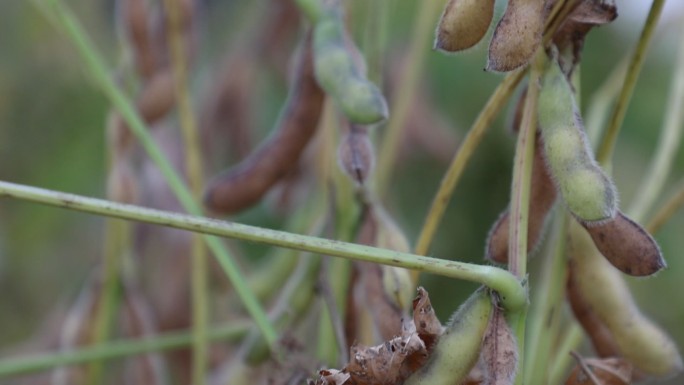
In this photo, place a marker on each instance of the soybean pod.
(245, 185)
(459, 347)
(343, 79)
(586, 190)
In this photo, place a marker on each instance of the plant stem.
(512, 293)
(547, 306)
(670, 138)
(98, 70)
(117, 349)
(562, 358)
(520, 199)
(193, 167)
(666, 211)
(470, 142)
(605, 150)
(418, 48)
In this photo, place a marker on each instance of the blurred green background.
(52, 136)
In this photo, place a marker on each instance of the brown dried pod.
(134, 18)
(463, 24)
(627, 246)
(603, 289)
(245, 185)
(607, 371)
(499, 351)
(542, 197)
(355, 154)
(517, 35)
(157, 97)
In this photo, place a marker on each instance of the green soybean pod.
(338, 74)
(586, 190)
(458, 349)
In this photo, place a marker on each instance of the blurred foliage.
(52, 136)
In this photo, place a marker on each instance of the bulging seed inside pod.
(463, 24)
(517, 35)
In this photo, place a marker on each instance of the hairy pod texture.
(463, 24)
(604, 293)
(459, 347)
(517, 35)
(336, 71)
(586, 190)
(542, 197)
(245, 185)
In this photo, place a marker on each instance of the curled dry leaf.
(517, 35)
(627, 246)
(608, 371)
(393, 361)
(542, 197)
(245, 185)
(463, 24)
(427, 324)
(355, 154)
(499, 351)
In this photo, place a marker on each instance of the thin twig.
(605, 150)
(512, 293)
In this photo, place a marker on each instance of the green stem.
(562, 358)
(605, 150)
(470, 142)
(400, 108)
(670, 138)
(98, 70)
(547, 307)
(193, 166)
(117, 349)
(520, 200)
(512, 293)
(666, 211)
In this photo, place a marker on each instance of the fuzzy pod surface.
(458, 349)
(586, 190)
(463, 24)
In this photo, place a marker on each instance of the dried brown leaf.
(427, 325)
(627, 246)
(499, 351)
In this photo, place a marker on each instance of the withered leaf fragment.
(463, 24)
(332, 377)
(517, 35)
(608, 371)
(542, 197)
(627, 246)
(428, 327)
(355, 154)
(245, 185)
(499, 351)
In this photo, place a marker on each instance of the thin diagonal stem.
(511, 291)
(99, 72)
(193, 166)
(605, 150)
